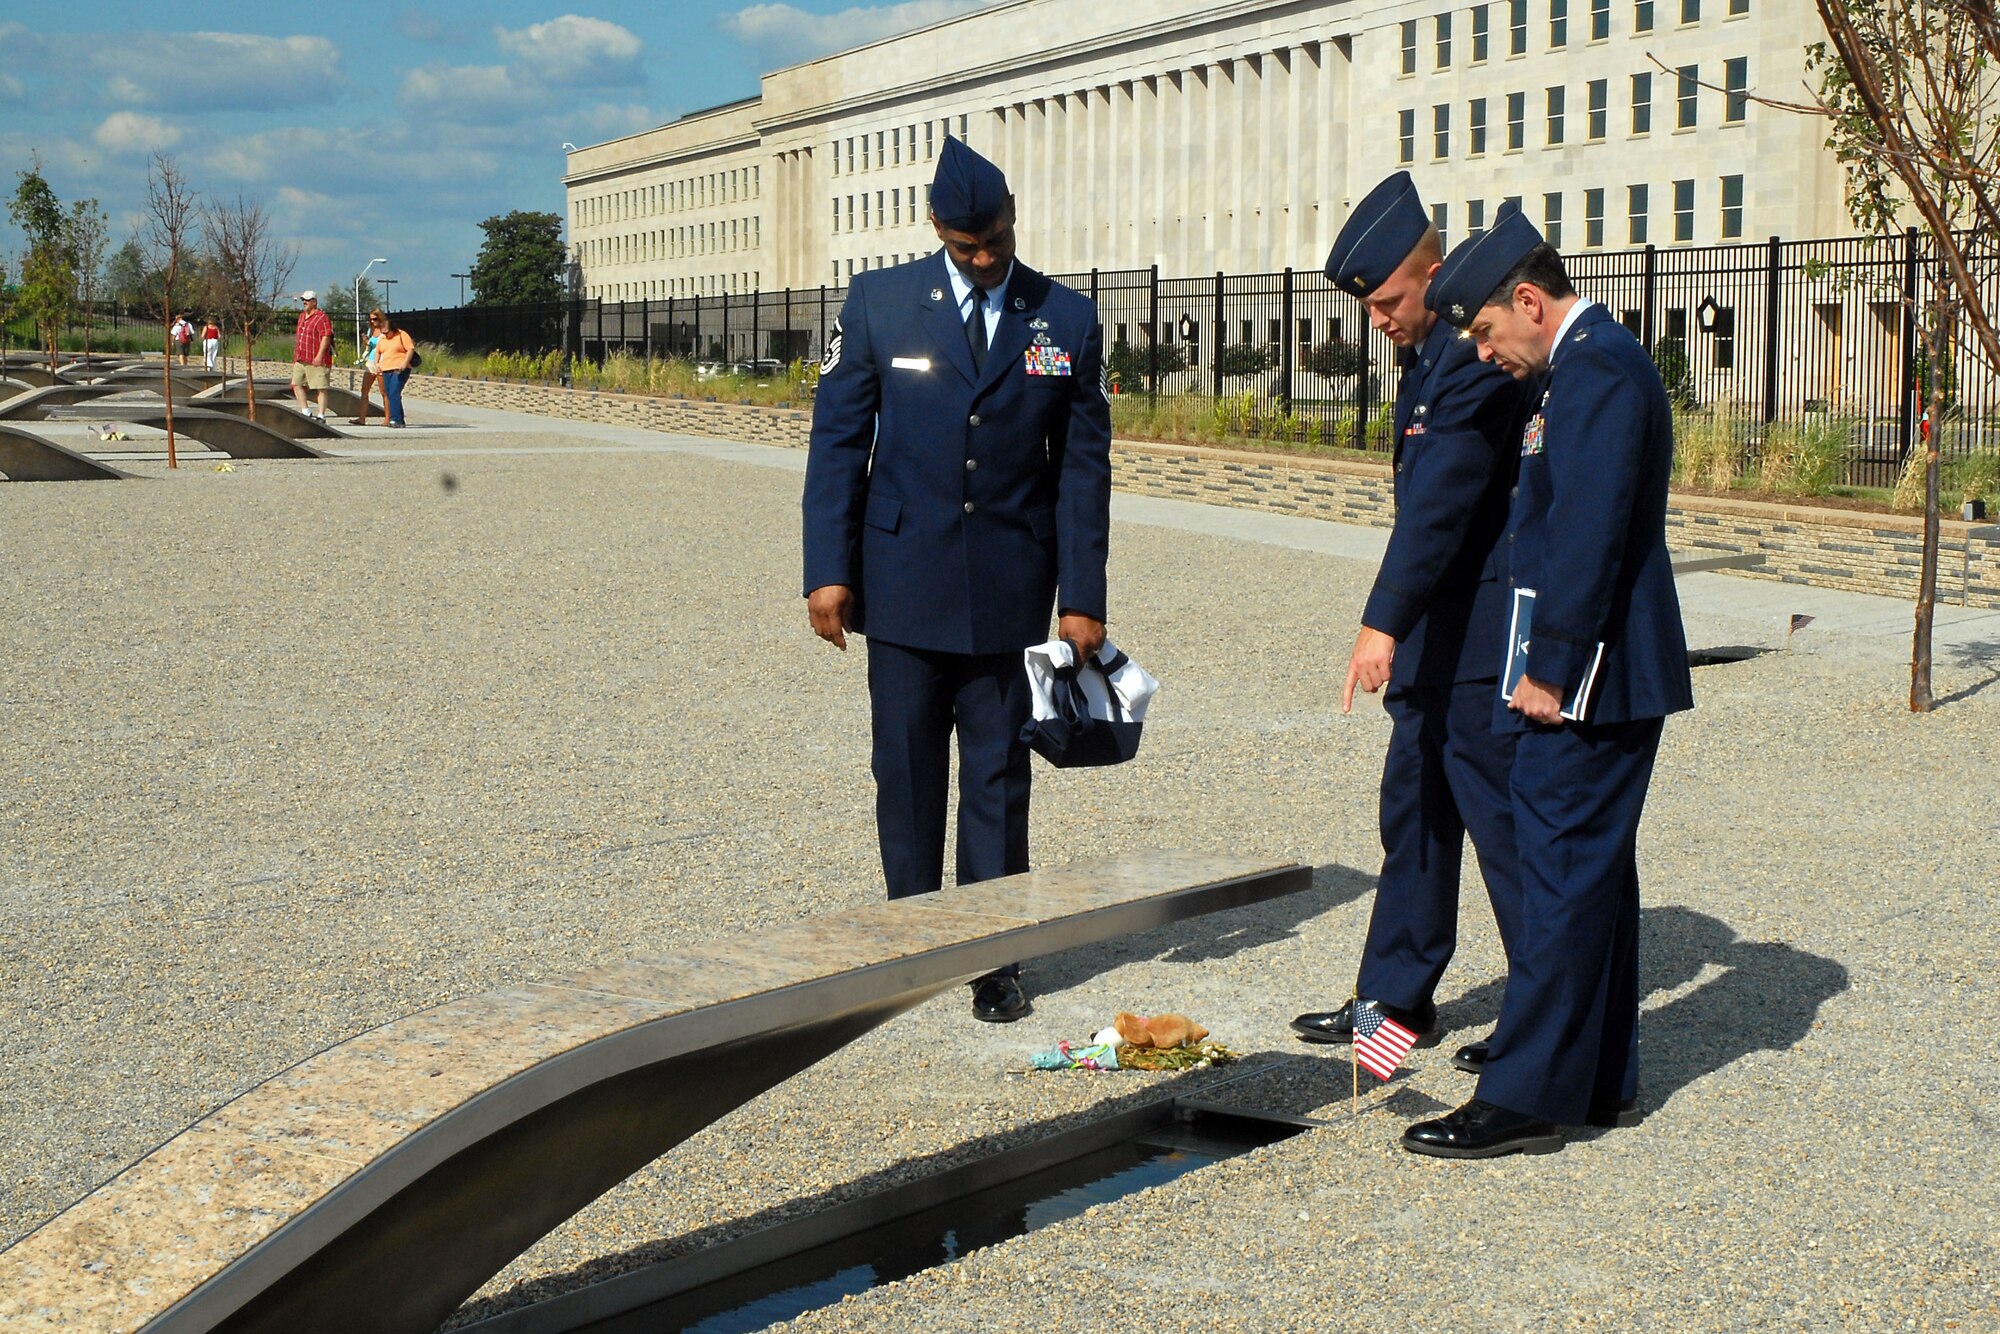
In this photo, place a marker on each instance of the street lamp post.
(358, 321)
(461, 286)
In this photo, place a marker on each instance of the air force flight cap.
(968, 192)
(1380, 234)
(1475, 270)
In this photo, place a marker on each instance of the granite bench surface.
(423, 1086)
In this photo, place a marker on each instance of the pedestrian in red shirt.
(312, 354)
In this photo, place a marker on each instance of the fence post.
(822, 321)
(646, 326)
(1771, 330)
(788, 330)
(1649, 298)
(756, 314)
(1285, 367)
(1153, 323)
(724, 294)
(1221, 332)
(1906, 427)
(1361, 383)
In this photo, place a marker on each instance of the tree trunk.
(1920, 648)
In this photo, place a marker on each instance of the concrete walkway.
(1763, 607)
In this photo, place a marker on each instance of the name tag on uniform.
(1532, 438)
(910, 363)
(1047, 361)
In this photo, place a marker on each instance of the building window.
(1439, 215)
(1406, 136)
(1441, 130)
(1690, 11)
(1683, 211)
(864, 213)
(1635, 214)
(1600, 20)
(1642, 16)
(1517, 27)
(1737, 8)
(881, 211)
(1642, 104)
(896, 145)
(896, 207)
(930, 140)
(1558, 24)
(1409, 46)
(1722, 338)
(1475, 218)
(1557, 96)
(1599, 93)
(1475, 126)
(1593, 218)
(1688, 78)
(1480, 34)
(1732, 208)
(1517, 118)
(1552, 220)
(1736, 80)
(1444, 41)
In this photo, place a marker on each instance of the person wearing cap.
(1602, 660)
(958, 489)
(1433, 630)
(312, 354)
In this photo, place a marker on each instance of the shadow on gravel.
(1280, 1084)
(1766, 999)
(1981, 657)
(1207, 939)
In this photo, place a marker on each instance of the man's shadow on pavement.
(1206, 939)
(1767, 999)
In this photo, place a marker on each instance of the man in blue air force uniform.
(1605, 662)
(959, 475)
(1433, 629)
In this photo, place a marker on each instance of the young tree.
(521, 260)
(252, 268)
(125, 275)
(89, 231)
(1912, 89)
(47, 288)
(167, 226)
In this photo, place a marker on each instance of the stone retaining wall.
(1827, 548)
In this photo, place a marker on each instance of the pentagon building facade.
(1208, 137)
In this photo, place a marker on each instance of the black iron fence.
(1775, 331)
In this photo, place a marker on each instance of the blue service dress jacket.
(1588, 529)
(1441, 590)
(956, 504)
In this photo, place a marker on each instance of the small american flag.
(1380, 1043)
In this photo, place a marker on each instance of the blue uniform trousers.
(1446, 774)
(1568, 1037)
(918, 697)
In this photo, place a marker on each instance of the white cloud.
(128, 132)
(466, 94)
(11, 88)
(784, 33)
(210, 71)
(575, 51)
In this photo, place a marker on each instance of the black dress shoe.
(1622, 1115)
(1471, 1058)
(1481, 1130)
(1338, 1025)
(998, 1000)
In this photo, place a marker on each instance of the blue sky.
(368, 127)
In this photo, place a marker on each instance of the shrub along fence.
(1814, 337)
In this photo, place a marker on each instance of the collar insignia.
(1457, 311)
(1020, 303)
(937, 294)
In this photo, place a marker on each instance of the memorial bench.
(375, 1186)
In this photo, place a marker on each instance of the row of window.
(1597, 114)
(890, 145)
(702, 238)
(661, 289)
(643, 201)
(884, 209)
(1638, 214)
(1598, 19)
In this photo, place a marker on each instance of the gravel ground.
(293, 749)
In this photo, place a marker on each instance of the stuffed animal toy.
(1163, 1031)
